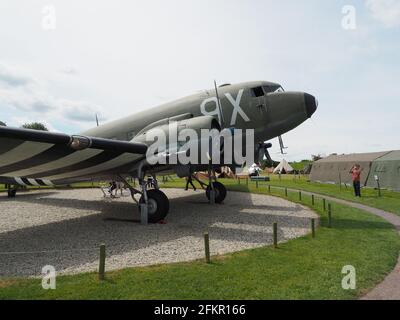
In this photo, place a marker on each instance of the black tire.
(158, 205)
(12, 193)
(220, 192)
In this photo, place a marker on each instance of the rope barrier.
(45, 251)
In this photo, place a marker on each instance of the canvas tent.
(283, 167)
(335, 168)
(387, 169)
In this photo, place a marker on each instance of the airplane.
(117, 150)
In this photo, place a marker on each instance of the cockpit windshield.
(273, 88)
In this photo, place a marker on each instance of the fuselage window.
(257, 92)
(273, 88)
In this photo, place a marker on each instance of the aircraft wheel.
(220, 192)
(12, 193)
(158, 205)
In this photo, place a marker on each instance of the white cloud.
(385, 11)
(79, 111)
(69, 71)
(26, 98)
(11, 76)
(19, 92)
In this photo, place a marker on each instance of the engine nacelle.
(170, 139)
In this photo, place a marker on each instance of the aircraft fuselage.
(244, 106)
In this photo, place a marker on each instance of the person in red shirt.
(356, 177)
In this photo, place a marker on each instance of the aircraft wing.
(32, 157)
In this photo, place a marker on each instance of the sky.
(62, 62)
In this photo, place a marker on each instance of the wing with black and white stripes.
(31, 157)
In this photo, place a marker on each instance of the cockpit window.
(273, 88)
(257, 92)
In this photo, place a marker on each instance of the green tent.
(387, 169)
(335, 168)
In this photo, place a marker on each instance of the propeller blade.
(219, 106)
(262, 151)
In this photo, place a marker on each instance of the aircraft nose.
(311, 104)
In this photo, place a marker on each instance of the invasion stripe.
(22, 152)
(124, 159)
(71, 159)
(51, 154)
(123, 169)
(7, 144)
(47, 182)
(34, 182)
(20, 181)
(40, 182)
(26, 181)
(93, 161)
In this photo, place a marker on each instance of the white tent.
(283, 167)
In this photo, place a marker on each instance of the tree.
(3, 124)
(35, 126)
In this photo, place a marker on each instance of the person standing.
(113, 186)
(356, 177)
(189, 180)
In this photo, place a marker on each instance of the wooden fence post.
(102, 262)
(207, 247)
(329, 215)
(313, 227)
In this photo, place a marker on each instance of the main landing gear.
(215, 191)
(11, 191)
(157, 205)
(219, 192)
(153, 203)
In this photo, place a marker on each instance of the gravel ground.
(74, 223)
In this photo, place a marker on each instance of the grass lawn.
(303, 268)
(389, 201)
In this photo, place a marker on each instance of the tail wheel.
(220, 192)
(158, 205)
(12, 193)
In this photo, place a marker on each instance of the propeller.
(221, 115)
(261, 151)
